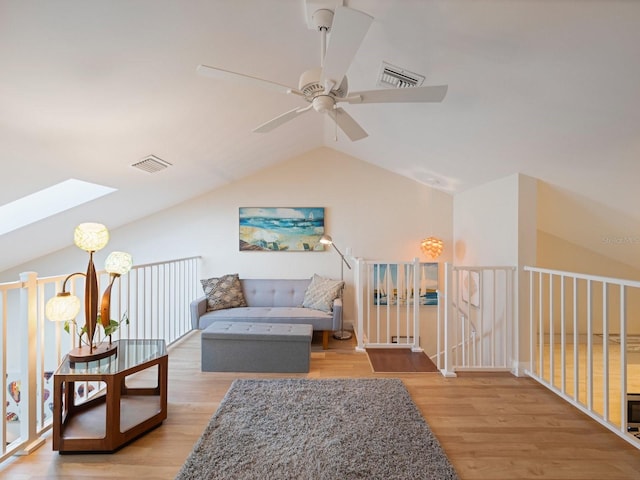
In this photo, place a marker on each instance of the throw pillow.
(321, 293)
(223, 292)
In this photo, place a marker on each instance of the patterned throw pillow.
(223, 292)
(321, 293)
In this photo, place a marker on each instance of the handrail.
(155, 297)
(388, 307)
(484, 335)
(585, 276)
(165, 262)
(573, 318)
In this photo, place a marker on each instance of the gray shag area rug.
(317, 429)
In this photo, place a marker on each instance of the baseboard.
(519, 369)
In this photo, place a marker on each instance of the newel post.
(28, 322)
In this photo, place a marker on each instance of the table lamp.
(65, 307)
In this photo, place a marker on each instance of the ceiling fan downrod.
(323, 19)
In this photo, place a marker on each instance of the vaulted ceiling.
(544, 88)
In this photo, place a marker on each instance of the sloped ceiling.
(548, 89)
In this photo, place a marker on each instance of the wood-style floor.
(492, 426)
(399, 360)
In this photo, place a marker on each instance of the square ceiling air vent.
(396, 77)
(151, 164)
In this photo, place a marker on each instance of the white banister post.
(28, 361)
(447, 371)
(359, 306)
(515, 318)
(532, 360)
(623, 359)
(416, 306)
(439, 355)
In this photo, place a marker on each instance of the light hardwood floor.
(599, 390)
(492, 426)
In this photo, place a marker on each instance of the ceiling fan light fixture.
(323, 103)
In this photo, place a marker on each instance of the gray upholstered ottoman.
(256, 347)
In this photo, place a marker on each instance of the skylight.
(48, 202)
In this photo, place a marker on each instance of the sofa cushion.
(320, 320)
(223, 292)
(321, 293)
(281, 300)
(274, 292)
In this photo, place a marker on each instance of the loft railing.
(398, 304)
(151, 301)
(471, 327)
(388, 312)
(478, 330)
(585, 342)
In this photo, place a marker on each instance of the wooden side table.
(125, 408)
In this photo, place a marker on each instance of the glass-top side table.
(132, 398)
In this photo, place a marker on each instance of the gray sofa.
(271, 301)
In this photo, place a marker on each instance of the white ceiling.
(544, 88)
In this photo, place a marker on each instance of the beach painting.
(385, 279)
(281, 229)
(428, 284)
(393, 284)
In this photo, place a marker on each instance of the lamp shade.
(118, 263)
(91, 237)
(62, 307)
(432, 246)
(326, 240)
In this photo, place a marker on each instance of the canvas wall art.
(281, 229)
(393, 284)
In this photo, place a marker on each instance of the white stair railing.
(580, 345)
(478, 330)
(155, 298)
(388, 312)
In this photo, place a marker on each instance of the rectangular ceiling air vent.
(396, 77)
(151, 164)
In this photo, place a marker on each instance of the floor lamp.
(326, 240)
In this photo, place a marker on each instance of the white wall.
(495, 225)
(559, 254)
(375, 213)
(527, 256)
(593, 228)
(578, 235)
(485, 224)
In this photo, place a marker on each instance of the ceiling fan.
(326, 86)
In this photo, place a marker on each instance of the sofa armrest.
(198, 308)
(337, 314)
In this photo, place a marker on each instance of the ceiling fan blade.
(347, 32)
(280, 119)
(434, 93)
(347, 124)
(235, 77)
